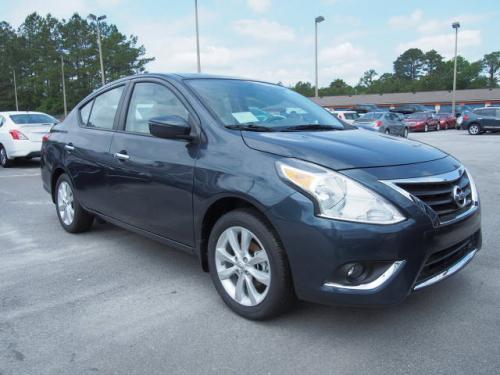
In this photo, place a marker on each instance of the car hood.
(343, 149)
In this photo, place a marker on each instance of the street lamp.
(456, 26)
(197, 36)
(316, 21)
(96, 20)
(64, 88)
(15, 89)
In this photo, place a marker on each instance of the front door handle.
(121, 156)
(69, 147)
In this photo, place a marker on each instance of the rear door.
(87, 148)
(488, 118)
(152, 178)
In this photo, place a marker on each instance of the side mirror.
(170, 127)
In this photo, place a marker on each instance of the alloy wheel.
(474, 129)
(405, 133)
(426, 128)
(65, 203)
(243, 266)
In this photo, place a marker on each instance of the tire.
(474, 129)
(405, 133)
(438, 127)
(426, 128)
(72, 217)
(387, 131)
(266, 301)
(5, 162)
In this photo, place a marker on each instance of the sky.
(273, 40)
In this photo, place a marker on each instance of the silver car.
(383, 122)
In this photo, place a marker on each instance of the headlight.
(337, 196)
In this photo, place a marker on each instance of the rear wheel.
(405, 133)
(72, 216)
(426, 128)
(248, 266)
(4, 160)
(474, 129)
(387, 131)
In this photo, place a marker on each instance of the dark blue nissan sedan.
(277, 198)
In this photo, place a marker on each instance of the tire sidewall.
(4, 160)
(276, 288)
(75, 225)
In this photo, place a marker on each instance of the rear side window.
(102, 114)
(485, 112)
(151, 100)
(351, 116)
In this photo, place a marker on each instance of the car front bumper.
(317, 247)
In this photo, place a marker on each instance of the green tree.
(367, 79)
(409, 64)
(432, 62)
(491, 65)
(304, 88)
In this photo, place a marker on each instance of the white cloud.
(259, 6)
(346, 61)
(58, 8)
(264, 29)
(444, 43)
(406, 21)
(433, 26)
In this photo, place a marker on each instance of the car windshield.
(33, 118)
(417, 115)
(371, 116)
(262, 106)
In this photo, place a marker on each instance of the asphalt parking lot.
(111, 302)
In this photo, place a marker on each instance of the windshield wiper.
(308, 127)
(250, 127)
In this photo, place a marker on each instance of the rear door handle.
(69, 147)
(121, 156)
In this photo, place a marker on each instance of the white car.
(21, 134)
(347, 116)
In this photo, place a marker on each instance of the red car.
(446, 120)
(421, 121)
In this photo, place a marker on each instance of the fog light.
(354, 272)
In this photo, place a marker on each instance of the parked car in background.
(347, 116)
(383, 122)
(446, 120)
(275, 209)
(480, 120)
(365, 108)
(21, 135)
(410, 108)
(421, 121)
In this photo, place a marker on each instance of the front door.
(152, 178)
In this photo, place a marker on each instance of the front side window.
(151, 100)
(239, 103)
(102, 114)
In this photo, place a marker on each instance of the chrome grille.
(436, 195)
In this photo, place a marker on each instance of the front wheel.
(426, 128)
(4, 160)
(405, 133)
(249, 267)
(474, 129)
(72, 216)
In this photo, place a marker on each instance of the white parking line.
(20, 175)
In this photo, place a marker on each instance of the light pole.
(15, 89)
(456, 26)
(197, 36)
(63, 87)
(316, 21)
(97, 19)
